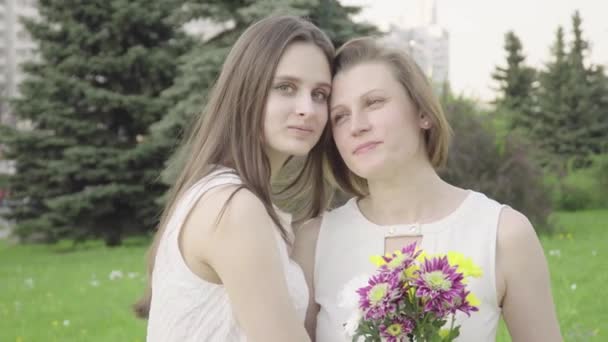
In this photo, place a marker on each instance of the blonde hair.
(418, 88)
(229, 133)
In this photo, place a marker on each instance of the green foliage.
(106, 112)
(335, 20)
(502, 168)
(571, 121)
(564, 113)
(582, 188)
(3, 181)
(577, 191)
(515, 84)
(600, 173)
(549, 128)
(91, 97)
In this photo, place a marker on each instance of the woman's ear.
(424, 121)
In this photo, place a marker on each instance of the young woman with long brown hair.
(219, 266)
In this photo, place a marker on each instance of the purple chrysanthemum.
(462, 304)
(397, 330)
(379, 298)
(400, 260)
(438, 285)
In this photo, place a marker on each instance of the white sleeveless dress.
(187, 308)
(347, 239)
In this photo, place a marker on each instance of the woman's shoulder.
(226, 217)
(477, 199)
(232, 205)
(514, 229)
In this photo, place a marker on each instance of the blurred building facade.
(427, 42)
(16, 47)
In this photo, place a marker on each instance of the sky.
(477, 29)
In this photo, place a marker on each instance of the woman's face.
(297, 108)
(376, 126)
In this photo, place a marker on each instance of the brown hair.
(418, 88)
(229, 131)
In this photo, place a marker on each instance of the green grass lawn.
(55, 293)
(58, 294)
(577, 261)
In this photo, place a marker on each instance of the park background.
(110, 87)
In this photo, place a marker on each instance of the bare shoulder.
(242, 251)
(237, 210)
(227, 214)
(527, 303)
(229, 202)
(518, 248)
(514, 228)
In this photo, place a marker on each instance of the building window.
(23, 53)
(22, 35)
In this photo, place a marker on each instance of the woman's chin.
(366, 170)
(297, 151)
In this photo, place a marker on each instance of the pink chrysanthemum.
(461, 303)
(397, 330)
(400, 260)
(438, 285)
(379, 298)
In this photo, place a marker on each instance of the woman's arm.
(242, 250)
(304, 254)
(527, 304)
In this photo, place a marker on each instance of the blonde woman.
(389, 138)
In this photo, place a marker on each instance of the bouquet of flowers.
(413, 297)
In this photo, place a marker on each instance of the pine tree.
(336, 20)
(516, 84)
(577, 97)
(572, 122)
(91, 97)
(585, 98)
(598, 125)
(549, 127)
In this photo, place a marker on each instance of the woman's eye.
(339, 118)
(374, 102)
(285, 88)
(319, 96)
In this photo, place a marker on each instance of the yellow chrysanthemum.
(422, 256)
(411, 292)
(466, 266)
(377, 260)
(410, 272)
(443, 333)
(396, 259)
(473, 300)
